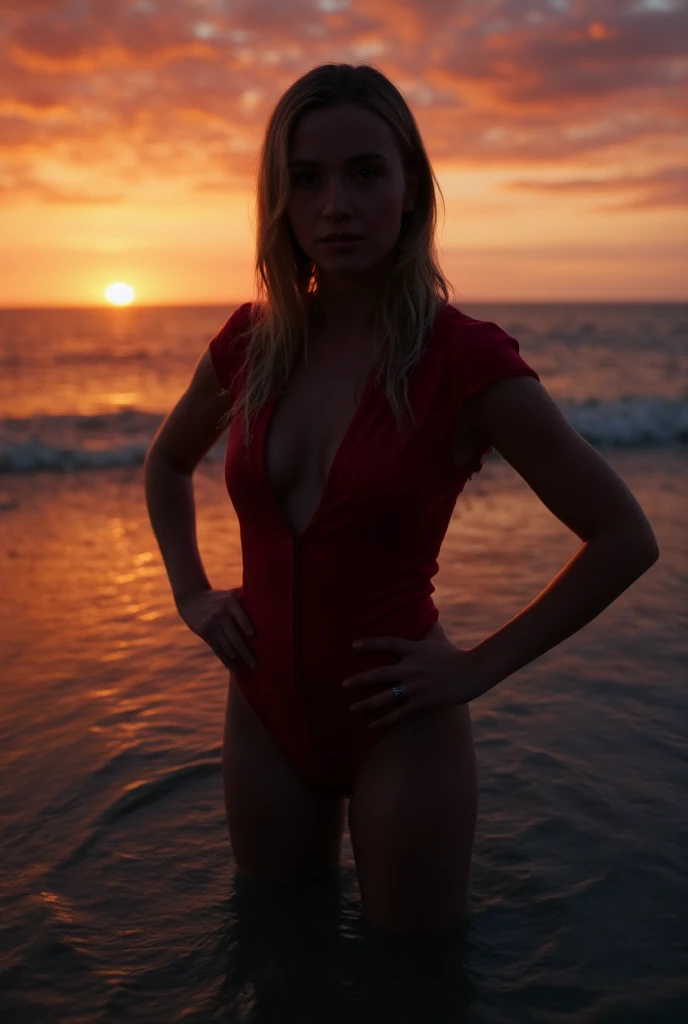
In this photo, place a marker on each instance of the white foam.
(64, 443)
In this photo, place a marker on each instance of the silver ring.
(398, 692)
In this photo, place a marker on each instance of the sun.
(119, 293)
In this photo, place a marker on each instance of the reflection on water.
(118, 896)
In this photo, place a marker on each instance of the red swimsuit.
(364, 564)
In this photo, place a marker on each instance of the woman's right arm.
(184, 438)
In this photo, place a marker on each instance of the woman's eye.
(369, 172)
(297, 177)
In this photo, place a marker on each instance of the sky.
(129, 133)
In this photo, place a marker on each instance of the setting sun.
(119, 293)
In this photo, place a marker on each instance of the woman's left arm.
(518, 417)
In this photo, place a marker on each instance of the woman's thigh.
(279, 828)
(412, 820)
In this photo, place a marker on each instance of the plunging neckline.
(267, 419)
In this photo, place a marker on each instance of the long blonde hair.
(285, 275)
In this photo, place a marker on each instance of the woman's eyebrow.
(349, 160)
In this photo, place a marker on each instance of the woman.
(360, 403)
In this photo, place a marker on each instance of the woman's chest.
(307, 424)
(328, 442)
(306, 428)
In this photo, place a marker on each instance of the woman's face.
(346, 176)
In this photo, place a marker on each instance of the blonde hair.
(285, 276)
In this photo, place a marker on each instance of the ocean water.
(118, 898)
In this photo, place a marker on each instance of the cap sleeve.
(227, 348)
(483, 354)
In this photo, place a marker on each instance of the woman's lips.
(341, 243)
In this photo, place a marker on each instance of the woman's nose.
(336, 197)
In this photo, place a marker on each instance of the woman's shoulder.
(227, 345)
(462, 329)
(479, 352)
(237, 320)
(470, 339)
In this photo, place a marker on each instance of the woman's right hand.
(219, 618)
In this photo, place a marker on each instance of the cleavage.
(308, 425)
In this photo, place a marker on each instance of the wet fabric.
(364, 564)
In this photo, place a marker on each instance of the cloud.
(666, 187)
(97, 98)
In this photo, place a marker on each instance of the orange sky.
(129, 132)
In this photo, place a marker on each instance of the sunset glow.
(129, 135)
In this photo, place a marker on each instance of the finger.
(229, 661)
(223, 647)
(376, 675)
(385, 699)
(241, 617)
(233, 637)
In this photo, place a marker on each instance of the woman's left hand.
(431, 673)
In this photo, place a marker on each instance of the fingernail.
(251, 632)
(253, 664)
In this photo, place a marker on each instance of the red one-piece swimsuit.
(364, 564)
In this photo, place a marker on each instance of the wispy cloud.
(98, 98)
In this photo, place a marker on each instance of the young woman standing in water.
(360, 402)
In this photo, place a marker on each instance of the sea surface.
(118, 896)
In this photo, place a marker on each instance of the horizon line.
(240, 302)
